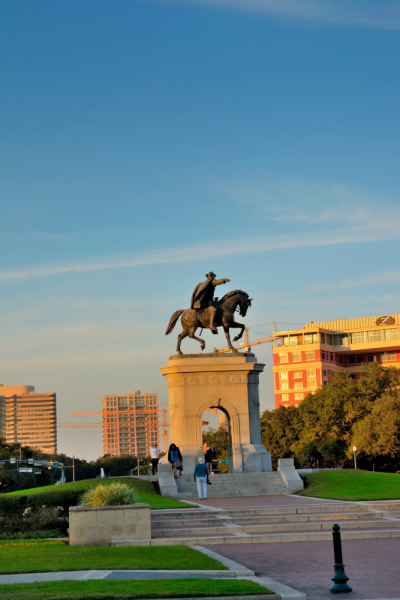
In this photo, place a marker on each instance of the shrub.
(32, 519)
(63, 498)
(115, 494)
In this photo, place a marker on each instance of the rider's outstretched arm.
(216, 282)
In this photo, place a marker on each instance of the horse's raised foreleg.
(228, 339)
(235, 325)
(181, 336)
(191, 335)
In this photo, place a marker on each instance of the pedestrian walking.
(175, 458)
(200, 474)
(208, 456)
(154, 451)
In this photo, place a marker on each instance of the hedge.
(64, 498)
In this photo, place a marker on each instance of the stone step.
(194, 496)
(265, 538)
(215, 521)
(279, 528)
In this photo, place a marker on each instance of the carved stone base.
(225, 381)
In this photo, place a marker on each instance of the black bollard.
(340, 579)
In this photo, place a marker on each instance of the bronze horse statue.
(225, 317)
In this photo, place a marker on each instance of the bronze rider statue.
(203, 297)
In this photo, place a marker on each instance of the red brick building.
(305, 359)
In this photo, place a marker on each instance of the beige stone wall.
(102, 525)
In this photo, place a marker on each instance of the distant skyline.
(146, 143)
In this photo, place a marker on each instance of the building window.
(296, 356)
(310, 338)
(324, 373)
(341, 359)
(284, 386)
(391, 334)
(283, 358)
(359, 337)
(283, 375)
(298, 396)
(371, 358)
(322, 337)
(352, 360)
(323, 354)
(297, 374)
(388, 356)
(353, 376)
(297, 385)
(360, 358)
(294, 340)
(325, 383)
(285, 397)
(310, 355)
(311, 379)
(332, 356)
(376, 336)
(329, 339)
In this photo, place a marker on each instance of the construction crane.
(104, 413)
(247, 342)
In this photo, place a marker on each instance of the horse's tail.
(173, 320)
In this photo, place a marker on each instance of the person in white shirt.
(154, 451)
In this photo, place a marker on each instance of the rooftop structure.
(305, 359)
(28, 418)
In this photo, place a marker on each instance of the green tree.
(279, 431)
(378, 433)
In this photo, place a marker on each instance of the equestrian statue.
(208, 312)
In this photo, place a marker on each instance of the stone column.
(223, 380)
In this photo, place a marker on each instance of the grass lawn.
(110, 589)
(348, 484)
(145, 490)
(38, 556)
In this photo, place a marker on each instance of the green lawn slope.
(37, 557)
(145, 490)
(349, 484)
(131, 589)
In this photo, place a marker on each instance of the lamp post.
(355, 457)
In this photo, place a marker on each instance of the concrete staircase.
(228, 485)
(275, 524)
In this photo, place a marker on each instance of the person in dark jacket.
(175, 458)
(208, 458)
(201, 474)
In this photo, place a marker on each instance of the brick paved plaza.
(372, 565)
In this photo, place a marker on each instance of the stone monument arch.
(225, 381)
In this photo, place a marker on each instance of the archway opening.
(217, 439)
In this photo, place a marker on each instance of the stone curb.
(233, 566)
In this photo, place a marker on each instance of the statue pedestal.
(225, 381)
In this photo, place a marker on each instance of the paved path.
(373, 566)
(262, 501)
(103, 574)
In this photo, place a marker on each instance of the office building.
(305, 359)
(28, 418)
(130, 424)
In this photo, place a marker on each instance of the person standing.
(175, 458)
(201, 473)
(154, 451)
(208, 458)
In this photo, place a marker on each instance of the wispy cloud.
(368, 14)
(364, 280)
(346, 235)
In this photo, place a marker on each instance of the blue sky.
(148, 142)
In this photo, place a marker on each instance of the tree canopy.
(325, 426)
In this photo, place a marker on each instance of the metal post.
(340, 579)
(138, 467)
(355, 460)
(73, 468)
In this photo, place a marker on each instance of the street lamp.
(355, 458)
